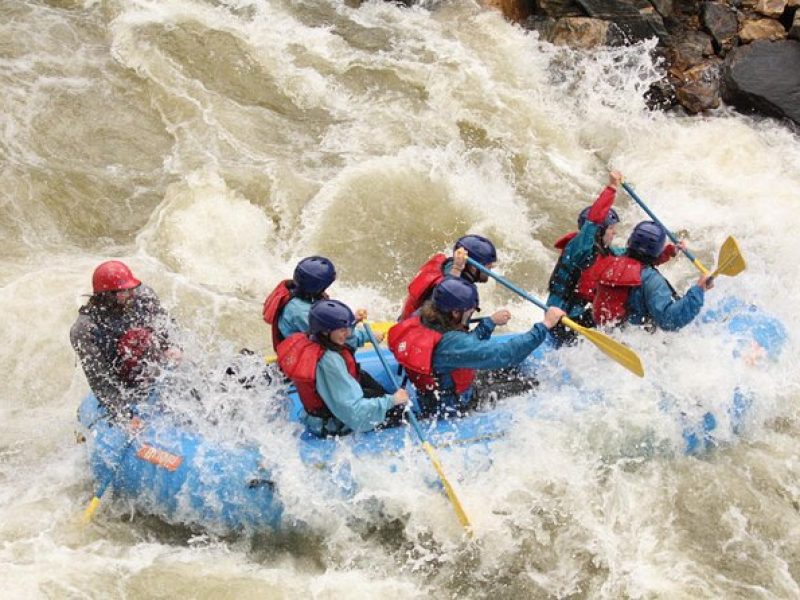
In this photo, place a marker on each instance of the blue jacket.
(654, 300)
(476, 350)
(294, 319)
(345, 399)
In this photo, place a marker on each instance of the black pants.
(373, 389)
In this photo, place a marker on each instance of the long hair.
(436, 319)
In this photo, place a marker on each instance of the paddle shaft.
(671, 235)
(461, 514)
(507, 283)
(412, 418)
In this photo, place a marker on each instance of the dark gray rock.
(721, 22)
(637, 19)
(664, 7)
(794, 30)
(559, 8)
(764, 77)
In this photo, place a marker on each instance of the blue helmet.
(478, 247)
(454, 293)
(612, 218)
(327, 315)
(314, 274)
(648, 239)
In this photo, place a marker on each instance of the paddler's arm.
(458, 350)
(345, 398)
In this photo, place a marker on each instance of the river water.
(213, 144)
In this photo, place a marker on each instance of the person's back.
(632, 290)
(286, 308)
(441, 355)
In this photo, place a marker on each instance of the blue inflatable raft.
(166, 470)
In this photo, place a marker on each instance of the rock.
(794, 30)
(636, 18)
(559, 8)
(690, 50)
(793, 3)
(580, 32)
(721, 22)
(514, 10)
(771, 8)
(699, 87)
(761, 29)
(543, 25)
(764, 77)
(666, 7)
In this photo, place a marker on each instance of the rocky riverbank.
(743, 52)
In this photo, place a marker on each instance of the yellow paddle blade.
(461, 514)
(87, 514)
(271, 359)
(608, 346)
(730, 261)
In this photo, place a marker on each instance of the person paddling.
(439, 266)
(632, 290)
(327, 377)
(122, 338)
(441, 355)
(287, 307)
(573, 282)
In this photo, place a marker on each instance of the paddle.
(730, 258)
(611, 348)
(461, 514)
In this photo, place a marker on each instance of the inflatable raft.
(167, 470)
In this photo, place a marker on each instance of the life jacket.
(420, 288)
(135, 348)
(273, 307)
(413, 345)
(618, 276)
(566, 274)
(586, 287)
(298, 357)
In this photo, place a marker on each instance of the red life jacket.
(413, 345)
(429, 275)
(298, 357)
(587, 283)
(618, 276)
(273, 306)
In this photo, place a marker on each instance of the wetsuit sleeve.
(667, 313)
(102, 375)
(484, 329)
(459, 350)
(294, 317)
(344, 397)
(358, 339)
(599, 210)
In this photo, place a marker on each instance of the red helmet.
(113, 276)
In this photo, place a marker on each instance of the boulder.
(580, 32)
(691, 49)
(559, 8)
(721, 22)
(771, 8)
(794, 30)
(698, 89)
(764, 77)
(636, 19)
(666, 7)
(761, 29)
